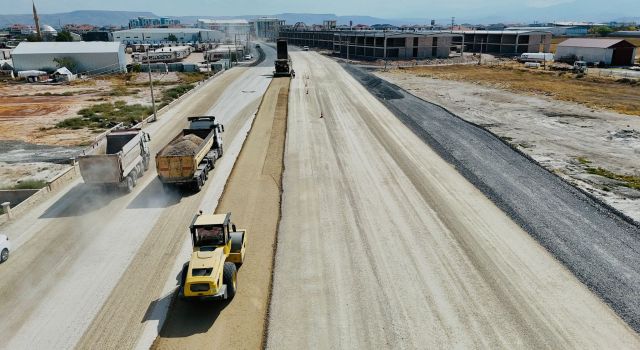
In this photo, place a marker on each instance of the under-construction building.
(373, 44)
(404, 45)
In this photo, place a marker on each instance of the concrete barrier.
(53, 186)
(15, 197)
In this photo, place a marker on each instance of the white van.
(536, 57)
(5, 247)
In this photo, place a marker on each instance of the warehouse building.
(87, 57)
(611, 52)
(231, 27)
(373, 44)
(165, 35)
(504, 42)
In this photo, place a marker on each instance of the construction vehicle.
(580, 66)
(119, 161)
(191, 155)
(282, 63)
(218, 252)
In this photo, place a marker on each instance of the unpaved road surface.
(90, 269)
(252, 195)
(598, 246)
(557, 134)
(383, 244)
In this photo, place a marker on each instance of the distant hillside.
(99, 18)
(589, 10)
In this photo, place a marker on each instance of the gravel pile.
(186, 145)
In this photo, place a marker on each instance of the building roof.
(67, 47)
(593, 43)
(160, 30)
(173, 48)
(223, 21)
(630, 33)
(63, 71)
(500, 31)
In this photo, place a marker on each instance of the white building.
(267, 27)
(611, 51)
(88, 57)
(231, 27)
(164, 35)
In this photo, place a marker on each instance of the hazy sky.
(379, 8)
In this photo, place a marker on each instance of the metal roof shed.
(615, 52)
(89, 57)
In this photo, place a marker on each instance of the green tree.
(64, 36)
(601, 30)
(66, 62)
(33, 38)
(172, 37)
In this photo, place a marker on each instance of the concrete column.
(6, 208)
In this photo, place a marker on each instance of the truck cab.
(218, 252)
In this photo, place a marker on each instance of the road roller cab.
(218, 252)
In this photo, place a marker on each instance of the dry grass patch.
(591, 91)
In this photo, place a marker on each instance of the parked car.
(248, 57)
(305, 48)
(5, 247)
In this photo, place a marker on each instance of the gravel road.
(384, 244)
(252, 195)
(600, 248)
(90, 269)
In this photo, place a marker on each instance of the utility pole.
(385, 49)
(153, 100)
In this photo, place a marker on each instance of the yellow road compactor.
(218, 252)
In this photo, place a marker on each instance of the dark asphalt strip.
(599, 245)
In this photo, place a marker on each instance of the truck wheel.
(4, 255)
(197, 185)
(129, 184)
(230, 278)
(145, 163)
(139, 170)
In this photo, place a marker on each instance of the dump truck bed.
(120, 155)
(181, 168)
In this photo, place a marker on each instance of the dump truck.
(191, 155)
(119, 161)
(282, 63)
(218, 253)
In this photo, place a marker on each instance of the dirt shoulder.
(252, 194)
(613, 94)
(592, 148)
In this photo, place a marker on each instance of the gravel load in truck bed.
(186, 145)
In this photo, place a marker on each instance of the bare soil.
(594, 92)
(568, 138)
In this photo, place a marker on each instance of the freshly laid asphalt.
(598, 245)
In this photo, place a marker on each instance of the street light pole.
(153, 100)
